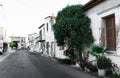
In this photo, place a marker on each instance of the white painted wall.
(33, 45)
(42, 49)
(49, 37)
(49, 34)
(96, 14)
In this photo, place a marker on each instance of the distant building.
(2, 34)
(33, 42)
(20, 40)
(48, 45)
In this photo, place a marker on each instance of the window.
(41, 35)
(28, 38)
(47, 44)
(52, 22)
(21, 44)
(47, 26)
(22, 40)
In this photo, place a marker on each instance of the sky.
(23, 17)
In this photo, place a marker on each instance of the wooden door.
(110, 33)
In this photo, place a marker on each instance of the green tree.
(13, 44)
(72, 27)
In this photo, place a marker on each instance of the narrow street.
(23, 64)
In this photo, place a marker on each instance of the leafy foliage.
(103, 62)
(72, 27)
(70, 53)
(97, 50)
(13, 44)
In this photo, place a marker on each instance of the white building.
(42, 38)
(2, 34)
(21, 41)
(33, 42)
(47, 41)
(105, 23)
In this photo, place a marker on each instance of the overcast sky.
(22, 17)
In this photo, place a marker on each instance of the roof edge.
(41, 26)
(91, 4)
(16, 37)
(50, 17)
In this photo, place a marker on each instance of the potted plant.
(103, 63)
(97, 50)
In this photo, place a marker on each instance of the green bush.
(73, 28)
(70, 53)
(13, 44)
(103, 62)
(65, 61)
(96, 50)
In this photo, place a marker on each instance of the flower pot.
(101, 72)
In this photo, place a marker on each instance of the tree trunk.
(80, 54)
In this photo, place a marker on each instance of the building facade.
(33, 42)
(105, 23)
(21, 41)
(2, 34)
(47, 40)
(42, 38)
(105, 17)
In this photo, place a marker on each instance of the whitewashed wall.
(104, 9)
(96, 14)
(33, 45)
(49, 37)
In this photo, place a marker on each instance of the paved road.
(23, 64)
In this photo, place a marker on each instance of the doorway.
(110, 33)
